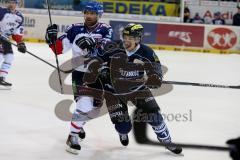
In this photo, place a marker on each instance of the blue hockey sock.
(123, 127)
(162, 132)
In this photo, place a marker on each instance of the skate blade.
(71, 150)
(179, 153)
(5, 87)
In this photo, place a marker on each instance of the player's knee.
(151, 116)
(97, 102)
(8, 58)
(155, 119)
(148, 105)
(84, 104)
(1, 57)
(123, 127)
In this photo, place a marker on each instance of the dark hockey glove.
(234, 145)
(21, 47)
(93, 66)
(86, 43)
(105, 75)
(51, 34)
(154, 81)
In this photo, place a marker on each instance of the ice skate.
(4, 85)
(72, 144)
(124, 139)
(171, 146)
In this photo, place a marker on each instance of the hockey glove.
(51, 34)
(234, 146)
(21, 47)
(154, 81)
(105, 75)
(88, 43)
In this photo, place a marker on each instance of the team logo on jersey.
(123, 74)
(129, 74)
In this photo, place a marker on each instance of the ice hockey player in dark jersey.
(86, 41)
(132, 71)
(11, 24)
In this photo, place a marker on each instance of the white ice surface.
(30, 130)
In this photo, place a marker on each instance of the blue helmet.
(15, 1)
(94, 7)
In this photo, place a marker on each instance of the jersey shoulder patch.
(19, 13)
(148, 52)
(74, 26)
(105, 25)
(146, 49)
(78, 24)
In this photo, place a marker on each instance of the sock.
(6, 65)
(123, 127)
(162, 132)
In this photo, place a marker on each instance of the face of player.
(91, 18)
(12, 5)
(130, 42)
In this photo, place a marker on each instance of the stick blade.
(5, 87)
(234, 87)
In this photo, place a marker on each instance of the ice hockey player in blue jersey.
(11, 24)
(86, 40)
(133, 71)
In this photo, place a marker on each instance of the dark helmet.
(238, 5)
(132, 29)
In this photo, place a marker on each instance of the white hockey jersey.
(102, 34)
(10, 23)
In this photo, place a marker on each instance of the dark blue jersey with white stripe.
(129, 69)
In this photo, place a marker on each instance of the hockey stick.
(200, 84)
(141, 137)
(192, 146)
(8, 41)
(58, 69)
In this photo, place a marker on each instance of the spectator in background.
(207, 20)
(236, 17)
(197, 19)
(186, 16)
(218, 20)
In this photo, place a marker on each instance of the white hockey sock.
(6, 65)
(76, 123)
(76, 126)
(1, 58)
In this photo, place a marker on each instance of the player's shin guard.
(77, 127)
(6, 65)
(1, 58)
(162, 133)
